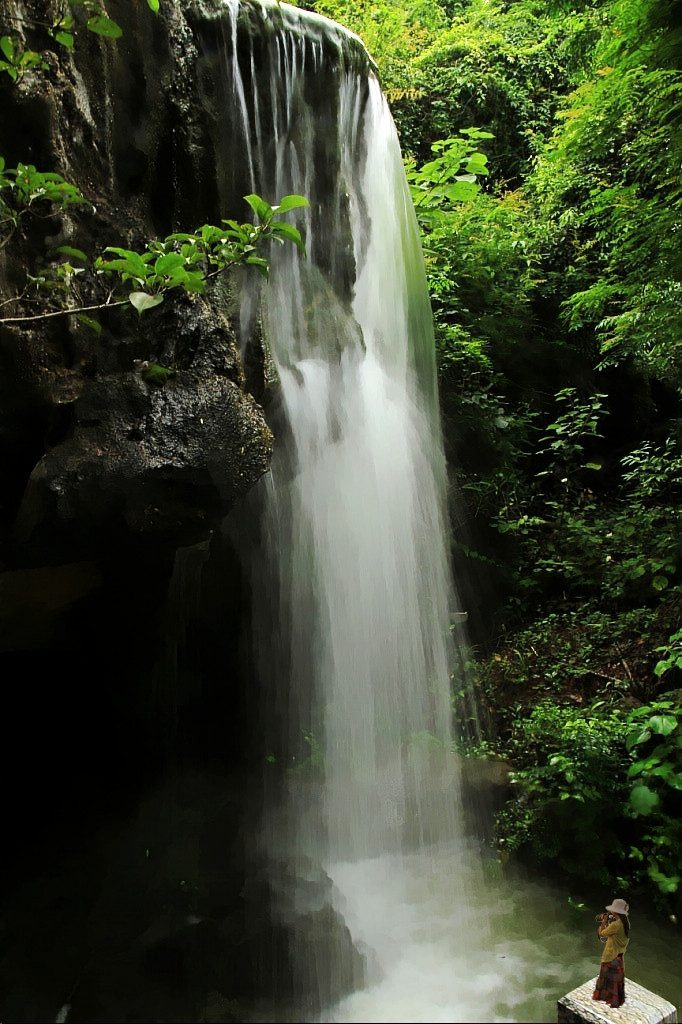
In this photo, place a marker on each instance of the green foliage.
(608, 191)
(450, 177)
(573, 766)
(654, 739)
(672, 655)
(479, 272)
(570, 765)
(16, 62)
(187, 260)
(503, 67)
(181, 260)
(24, 189)
(555, 283)
(616, 545)
(581, 654)
(97, 21)
(552, 541)
(566, 438)
(654, 472)
(393, 33)
(602, 752)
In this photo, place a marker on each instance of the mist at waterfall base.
(352, 646)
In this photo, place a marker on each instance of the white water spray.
(354, 647)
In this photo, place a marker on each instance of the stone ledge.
(640, 1007)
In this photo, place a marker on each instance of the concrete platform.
(640, 1007)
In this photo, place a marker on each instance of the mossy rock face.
(159, 451)
(146, 428)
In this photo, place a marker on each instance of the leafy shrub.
(570, 761)
(599, 772)
(654, 739)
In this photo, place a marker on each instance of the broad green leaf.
(475, 133)
(142, 301)
(260, 264)
(281, 230)
(89, 322)
(131, 262)
(68, 250)
(461, 191)
(168, 263)
(211, 234)
(7, 47)
(636, 737)
(194, 281)
(262, 209)
(65, 38)
(477, 164)
(643, 800)
(290, 203)
(191, 252)
(153, 5)
(663, 724)
(242, 232)
(102, 26)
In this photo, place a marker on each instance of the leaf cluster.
(17, 61)
(181, 260)
(654, 739)
(23, 189)
(608, 191)
(572, 767)
(188, 260)
(504, 68)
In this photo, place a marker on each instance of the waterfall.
(350, 576)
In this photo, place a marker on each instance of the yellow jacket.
(616, 940)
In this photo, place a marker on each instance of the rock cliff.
(123, 446)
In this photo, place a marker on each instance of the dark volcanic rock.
(155, 453)
(145, 429)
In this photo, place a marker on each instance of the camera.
(604, 918)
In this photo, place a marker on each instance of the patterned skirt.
(611, 983)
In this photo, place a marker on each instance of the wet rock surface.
(128, 890)
(151, 920)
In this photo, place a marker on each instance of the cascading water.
(350, 584)
(355, 498)
(353, 570)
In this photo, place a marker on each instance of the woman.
(615, 929)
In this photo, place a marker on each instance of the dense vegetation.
(543, 143)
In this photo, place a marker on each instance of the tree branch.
(62, 312)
